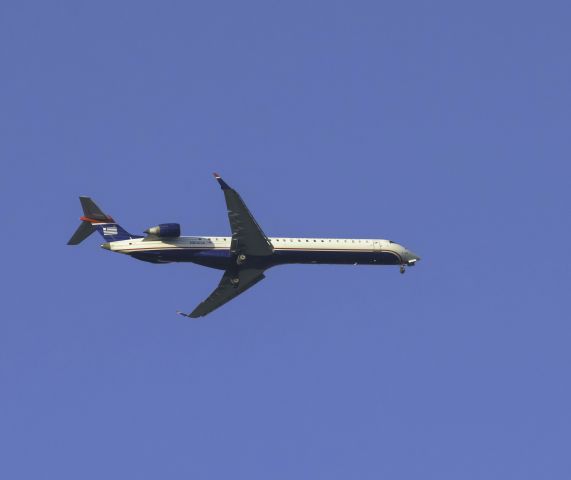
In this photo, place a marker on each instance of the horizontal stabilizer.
(92, 212)
(83, 231)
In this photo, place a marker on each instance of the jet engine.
(165, 230)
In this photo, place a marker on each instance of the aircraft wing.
(226, 290)
(247, 236)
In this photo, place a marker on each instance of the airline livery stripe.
(347, 250)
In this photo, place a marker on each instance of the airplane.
(244, 256)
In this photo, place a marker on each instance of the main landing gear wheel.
(241, 259)
(235, 281)
(402, 269)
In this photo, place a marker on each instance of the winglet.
(188, 315)
(222, 183)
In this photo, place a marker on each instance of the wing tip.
(187, 315)
(222, 183)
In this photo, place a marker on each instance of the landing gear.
(402, 269)
(241, 259)
(235, 281)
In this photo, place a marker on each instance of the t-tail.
(94, 219)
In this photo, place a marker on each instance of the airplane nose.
(106, 246)
(412, 257)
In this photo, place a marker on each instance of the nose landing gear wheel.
(402, 269)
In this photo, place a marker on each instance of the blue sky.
(441, 125)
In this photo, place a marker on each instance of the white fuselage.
(280, 245)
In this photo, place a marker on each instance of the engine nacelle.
(165, 230)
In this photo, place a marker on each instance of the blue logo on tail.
(113, 232)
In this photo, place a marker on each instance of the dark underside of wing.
(247, 236)
(227, 290)
(249, 246)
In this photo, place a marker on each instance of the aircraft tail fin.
(94, 219)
